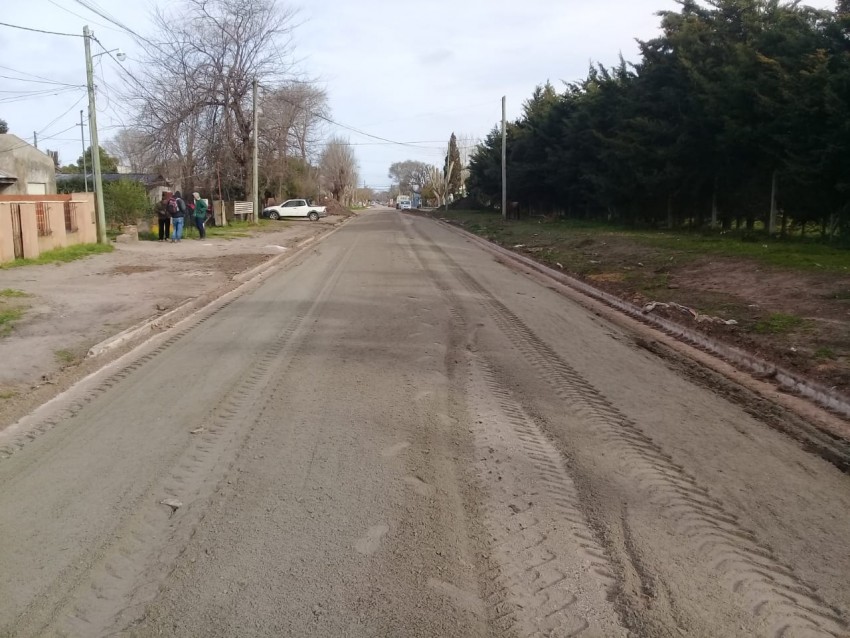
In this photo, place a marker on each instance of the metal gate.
(17, 231)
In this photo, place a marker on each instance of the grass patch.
(7, 318)
(65, 356)
(11, 292)
(682, 245)
(237, 229)
(8, 394)
(61, 255)
(778, 323)
(825, 353)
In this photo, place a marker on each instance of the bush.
(125, 202)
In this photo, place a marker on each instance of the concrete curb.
(197, 304)
(787, 380)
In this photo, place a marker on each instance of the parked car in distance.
(295, 208)
(404, 206)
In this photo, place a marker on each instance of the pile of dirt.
(467, 203)
(335, 208)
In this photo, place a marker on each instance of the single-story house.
(25, 170)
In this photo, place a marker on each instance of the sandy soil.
(411, 440)
(815, 343)
(71, 307)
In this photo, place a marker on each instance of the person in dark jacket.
(177, 209)
(200, 214)
(164, 217)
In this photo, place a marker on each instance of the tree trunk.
(783, 232)
(771, 222)
(714, 205)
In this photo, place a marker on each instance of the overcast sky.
(402, 70)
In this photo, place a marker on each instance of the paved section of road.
(399, 436)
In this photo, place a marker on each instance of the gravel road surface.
(397, 435)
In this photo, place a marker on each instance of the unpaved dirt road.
(398, 436)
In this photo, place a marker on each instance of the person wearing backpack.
(164, 217)
(177, 211)
(200, 214)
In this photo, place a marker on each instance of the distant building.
(25, 170)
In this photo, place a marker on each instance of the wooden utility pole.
(504, 163)
(35, 139)
(255, 178)
(95, 145)
(83, 141)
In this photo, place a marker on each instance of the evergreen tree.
(454, 158)
(738, 112)
(108, 164)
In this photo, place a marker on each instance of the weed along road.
(398, 435)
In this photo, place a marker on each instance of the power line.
(17, 26)
(74, 105)
(9, 77)
(102, 13)
(56, 4)
(23, 97)
(50, 137)
(33, 75)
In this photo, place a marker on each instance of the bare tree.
(194, 95)
(289, 129)
(409, 175)
(439, 182)
(133, 149)
(338, 167)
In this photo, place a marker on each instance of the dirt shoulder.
(57, 313)
(789, 304)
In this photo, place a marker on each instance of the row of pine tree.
(740, 108)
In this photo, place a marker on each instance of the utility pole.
(504, 163)
(83, 142)
(95, 146)
(35, 139)
(255, 177)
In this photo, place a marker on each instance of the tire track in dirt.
(545, 574)
(127, 568)
(769, 589)
(17, 441)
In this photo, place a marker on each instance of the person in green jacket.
(200, 214)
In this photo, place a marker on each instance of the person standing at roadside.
(200, 214)
(177, 210)
(164, 217)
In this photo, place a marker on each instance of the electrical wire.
(23, 97)
(9, 77)
(32, 75)
(49, 137)
(56, 4)
(17, 26)
(56, 119)
(102, 13)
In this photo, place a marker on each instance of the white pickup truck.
(295, 208)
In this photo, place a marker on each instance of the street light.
(95, 145)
